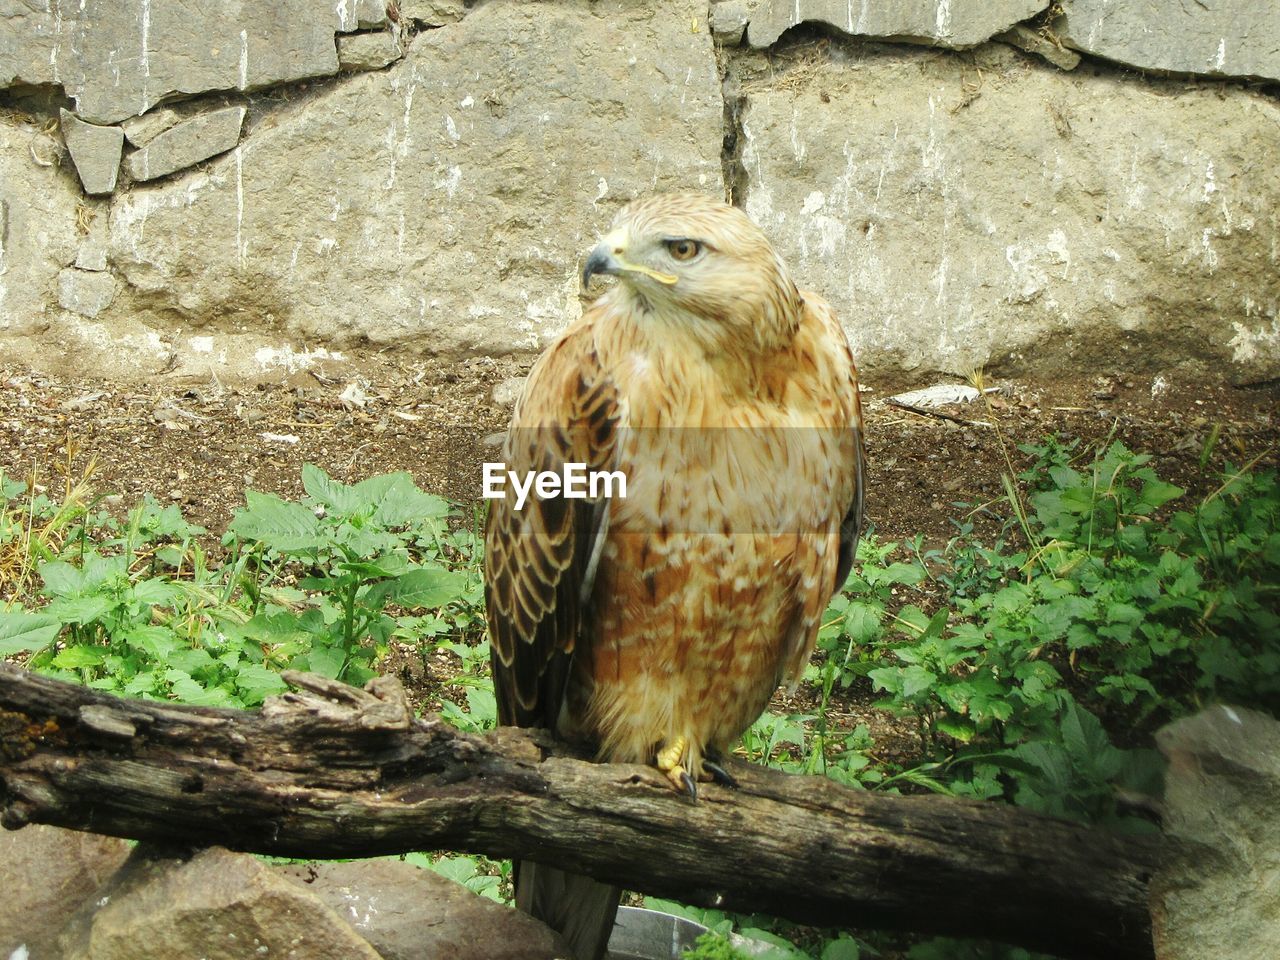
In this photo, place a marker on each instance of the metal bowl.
(640, 934)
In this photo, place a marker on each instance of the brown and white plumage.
(656, 627)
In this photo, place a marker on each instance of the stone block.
(368, 51)
(1226, 38)
(1217, 895)
(943, 23)
(215, 904)
(187, 143)
(1035, 221)
(441, 204)
(85, 292)
(94, 150)
(47, 873)
(408, 913)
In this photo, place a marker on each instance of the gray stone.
(140, 131)
(432, 13)
(508, 391)
(118, 58)
(38, 234)
(1225, 38)
(368, 51)
(1036, 221)
(361, 14)
(85, 292)
(729, 22)
(442, 204)
(1217, 896)
(944, 23)
(407, 913)
(187, 143)
(47, 873)
(94, 150)
(1043, 46)
(92, 252)
(217, 905)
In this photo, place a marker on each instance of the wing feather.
(834, 381)
(540, 561)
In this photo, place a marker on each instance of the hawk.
(656, 626)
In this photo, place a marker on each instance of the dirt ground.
(200, 447)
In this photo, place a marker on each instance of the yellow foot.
(669, 762)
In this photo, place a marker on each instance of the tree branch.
(332, 771)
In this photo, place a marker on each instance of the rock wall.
(199, 188)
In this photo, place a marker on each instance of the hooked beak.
(609, 256)
(600, 260)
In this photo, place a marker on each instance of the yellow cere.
(670, 279)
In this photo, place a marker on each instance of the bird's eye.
(683, 250)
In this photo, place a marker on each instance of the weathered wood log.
(332, 771)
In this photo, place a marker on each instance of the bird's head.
(690, 259)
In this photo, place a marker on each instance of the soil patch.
(201, 447)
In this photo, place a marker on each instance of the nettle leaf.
(888, 679)
(1156, 493)
(364, 541)
(916, 679)
(427, 587)
(167, 521)
(955, 696)
(271, 628)
(391, 565)
(937, 623)
(1081, 635)
(843, 949)
(908, 574)
(61, 579)
(77, 657)
(336, 497)
(144, 683)
(10, 488)
(279, 524)
(186, 689)
(326, 661)
(404, 504)
(191, 660)
(862, 622)
(483, 706)
(1010, 599)
(1082, 733)
(257, 683)
(20, 632)
(914, 619)
(87, 609)
(1050, 763)
(156, 592)
(157, 642)
(962, 730)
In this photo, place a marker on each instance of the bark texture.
(332, 771)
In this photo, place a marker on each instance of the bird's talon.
(719, 774)
(668, 759)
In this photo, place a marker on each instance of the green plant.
(320, 584)
(352, 552)
(1111, 609)
(713, 946)
(489, 878)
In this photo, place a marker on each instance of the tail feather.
(582, 910)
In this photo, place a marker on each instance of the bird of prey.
(656, 626)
